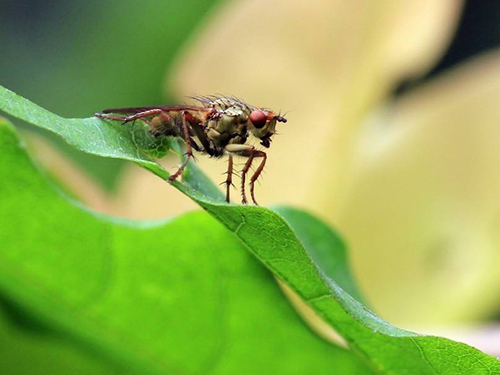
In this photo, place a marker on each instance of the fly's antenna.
(281, 118)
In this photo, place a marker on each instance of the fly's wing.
(166, 108)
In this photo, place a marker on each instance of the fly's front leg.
(251, 152)
(257, 173)
(189, 149)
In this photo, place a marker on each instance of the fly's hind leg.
(129, 118)
(143, 114)
(136, 116)
(189, 149)
(109, 117)
(251, 152)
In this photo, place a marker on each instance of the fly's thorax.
(228, 123)
(222, 128)
(218, 140)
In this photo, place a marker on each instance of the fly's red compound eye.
(258, 119)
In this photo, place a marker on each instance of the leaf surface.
(94, 294)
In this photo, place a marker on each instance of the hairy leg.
(109, 117)
(229, 178)
(244, 172)
(256, 175)
(250, 152)
(189, 149)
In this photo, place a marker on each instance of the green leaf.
(326, 249)
(289, 255)
(179, 296)
(27, 345)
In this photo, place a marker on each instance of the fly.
(218, 126)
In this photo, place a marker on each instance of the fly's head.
(263, 124)
(232, 115)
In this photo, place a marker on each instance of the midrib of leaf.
(270, 238)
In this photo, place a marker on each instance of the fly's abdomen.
(166, 125)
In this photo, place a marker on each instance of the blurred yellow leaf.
(423, 212)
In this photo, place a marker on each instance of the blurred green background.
(78, 57)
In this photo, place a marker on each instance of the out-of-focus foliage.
(79, 57)
(433, 163)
